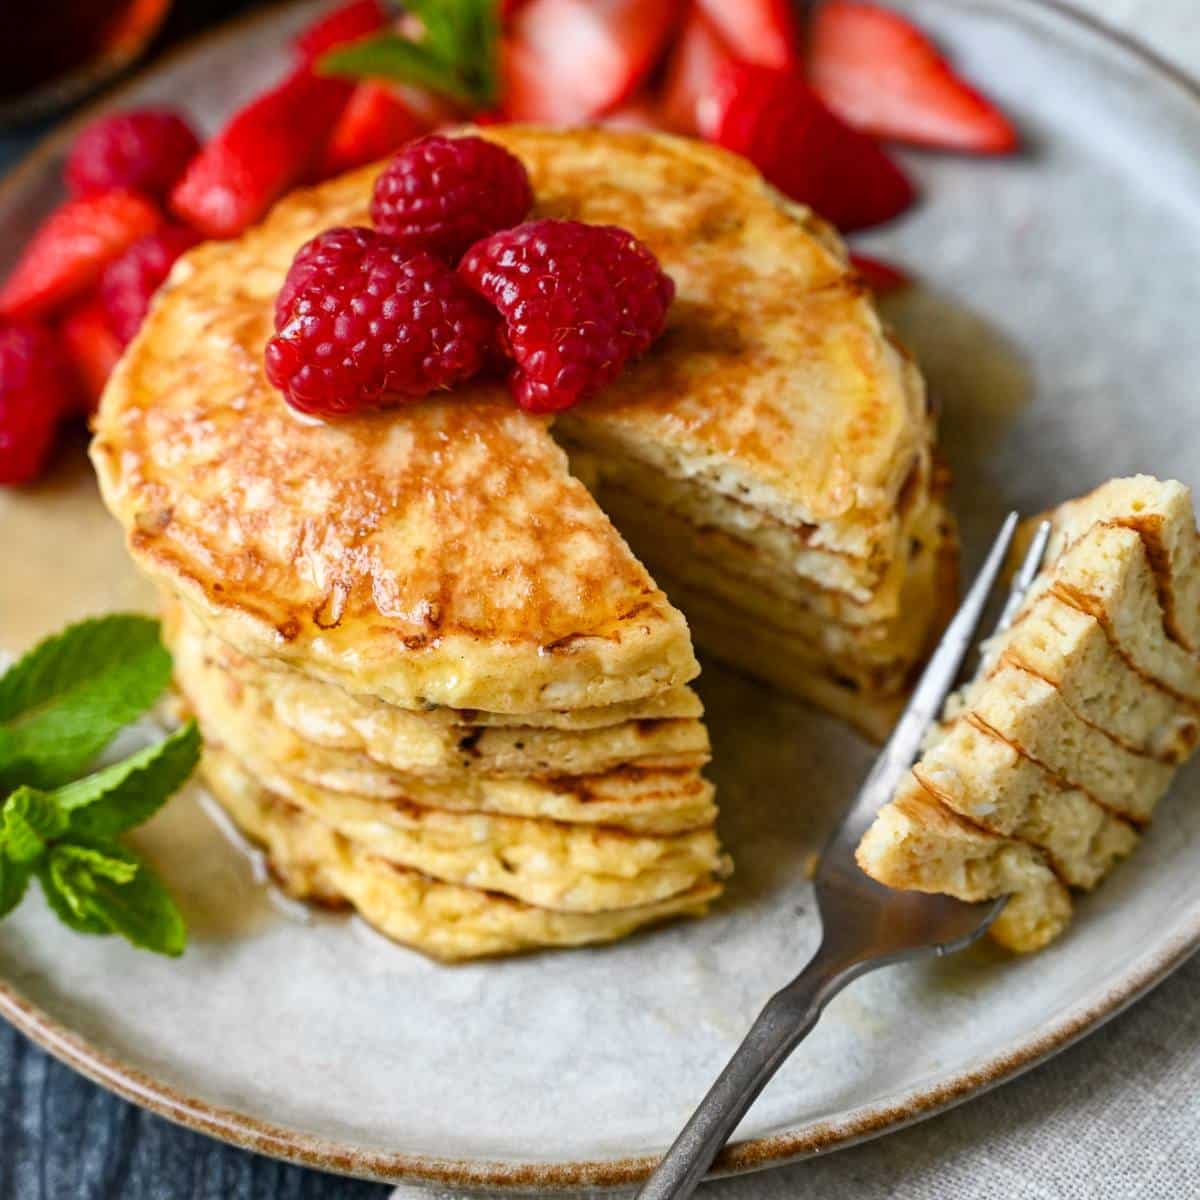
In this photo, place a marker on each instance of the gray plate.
(1056, 321)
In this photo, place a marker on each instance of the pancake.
(443, 920)
(442, 554)
(917, 844)
(242, 716)
(1160, 512)
(1070, 650)
(988, 781)
(312, 718)
(1069, 734)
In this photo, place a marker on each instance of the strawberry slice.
(568, 60)
(374, 122)
(72, 246)
(881, 277)
(347, 23)
(638, 112)
(883, 75)
(776, 121)
(762, 32)
(91, 346)
(695, 78)
(269, 145)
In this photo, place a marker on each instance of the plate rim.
(281, 1142)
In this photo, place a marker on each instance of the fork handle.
(786, 1019)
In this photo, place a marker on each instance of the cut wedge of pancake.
(1070, 650)
(982, 777)
(1073, 727)
(920, 845)
(440, 919)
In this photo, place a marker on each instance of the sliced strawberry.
(568, 60)
(881, 277)
(91, 346)
(762, 32)
(72, 246)
(347, 23)
(269, 145)
(883, 75)
(776, 121)
(373, 124)
(638, 112)
(696, 74)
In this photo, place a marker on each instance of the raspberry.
(365, 324)
(578, 302)
(129, 283)
(443, 194)
(145, 149)
(34, 394)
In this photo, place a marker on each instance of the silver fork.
(865, 925)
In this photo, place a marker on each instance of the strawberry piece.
(638, 112)
(881, 277)
(696, 75)
(883, 75)
(762, 32)
(776, 121)
(374, 123)
(146, 149)
(35, 392)
(347, 23)
(568, 60)
(72, 246)
(92, 348)
(269, 145)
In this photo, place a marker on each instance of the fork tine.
(942, 669)
(1023, 579)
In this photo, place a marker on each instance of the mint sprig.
(60, 706)
(455, 54)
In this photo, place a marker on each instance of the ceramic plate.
(1056, 321)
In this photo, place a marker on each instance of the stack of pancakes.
(434, 678)
(1049, 763)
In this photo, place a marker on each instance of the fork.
(865, 925)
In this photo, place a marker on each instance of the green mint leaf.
(100, 887)
(28, 821)
(68, 697)
(457, 55)
(59, 886)
(14, 879)
(389, 56)
(119, 797)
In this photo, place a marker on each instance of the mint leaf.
(68, 697)
(119, 797)
(28, 821)
(457, 55)
(14, 879)
(99, 887)
(389, 56)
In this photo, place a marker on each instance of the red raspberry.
(367, 324)
(145, 149)
(578, 301)
(443, 194)
(129, 283)
(34, 394)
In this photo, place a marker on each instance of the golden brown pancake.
(1071, 732)
(442, 553)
